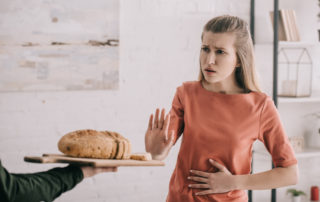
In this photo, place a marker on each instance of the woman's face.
(218, 58)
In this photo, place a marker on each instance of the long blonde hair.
(246, 75)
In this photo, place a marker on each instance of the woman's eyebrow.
(216, 47)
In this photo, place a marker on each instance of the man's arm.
(42, 186)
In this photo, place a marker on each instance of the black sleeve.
(36, 187)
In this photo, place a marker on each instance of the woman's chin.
(210, 80)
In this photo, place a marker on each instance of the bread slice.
(115, 145)
(120, 145)
(127, 146)
(141, 156)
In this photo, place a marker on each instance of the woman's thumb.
(170, 136)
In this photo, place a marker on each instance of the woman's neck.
(222, 88)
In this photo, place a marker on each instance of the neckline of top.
(220, 94)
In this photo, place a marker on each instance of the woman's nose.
(212, 58)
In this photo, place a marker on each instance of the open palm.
(158, 141)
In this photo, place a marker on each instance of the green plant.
(295, 192)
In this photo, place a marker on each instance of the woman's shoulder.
(189, 85)
(262, 95)
(261, 98)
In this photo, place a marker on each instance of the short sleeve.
(177, 114)
(273, 136)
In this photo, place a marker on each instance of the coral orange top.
(222, 127)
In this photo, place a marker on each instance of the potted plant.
(296, 194)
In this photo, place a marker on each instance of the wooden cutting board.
(60, 158)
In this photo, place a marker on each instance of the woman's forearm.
(277, 177)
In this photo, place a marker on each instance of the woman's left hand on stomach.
(218, 182)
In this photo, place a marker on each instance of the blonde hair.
(246, 75)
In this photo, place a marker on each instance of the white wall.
(159, 46)
(160, 42)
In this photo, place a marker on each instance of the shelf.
(303, 199)
(306, 153)
(297, 44)
(299, 99)
(290, 44)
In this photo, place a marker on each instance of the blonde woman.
(220, 117)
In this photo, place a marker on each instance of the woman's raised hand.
(158, 141)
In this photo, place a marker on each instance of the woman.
(221, 116)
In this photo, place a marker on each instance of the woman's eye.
(205, 49)
(220, 52)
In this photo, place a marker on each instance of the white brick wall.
(160, 41)
(159, 50)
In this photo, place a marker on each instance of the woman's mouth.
(210, 71)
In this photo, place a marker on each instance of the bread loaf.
(95, 144)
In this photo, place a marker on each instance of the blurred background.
(108, 64)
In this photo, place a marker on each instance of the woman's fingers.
(204, 192)
(150, 122)
(219, 166)
(160, 124)
(199, 186)
(156, 118)
(198, 179)
(200, 173)
(163, 125)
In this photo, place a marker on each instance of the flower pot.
(296, 199)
